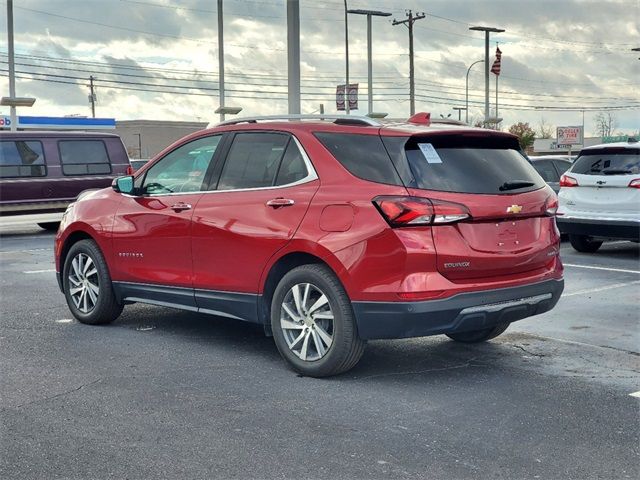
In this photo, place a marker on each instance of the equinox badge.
(514, 209)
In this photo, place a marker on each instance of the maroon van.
(42, 172)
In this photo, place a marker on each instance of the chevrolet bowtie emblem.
(514, 209)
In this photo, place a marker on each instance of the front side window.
(84, 157)
(253, 161)
(21, 158)
(183, 169)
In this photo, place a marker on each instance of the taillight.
(635, 183)
(551, 206)
(130, 170)
(567, 181)
(415, 211)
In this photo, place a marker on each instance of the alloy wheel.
(84, 285)
(306, 320)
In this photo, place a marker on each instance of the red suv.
(328, 231)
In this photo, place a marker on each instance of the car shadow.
(414, 360)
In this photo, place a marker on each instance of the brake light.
(635, 183)
(415, 211)
(567, 181)
(551, 206)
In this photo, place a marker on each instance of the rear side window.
(464, 164)
(253, 160)
(608, 161)
(546, 170)
(21, 158)
(362, 155)
(292, 168)
(84, 157)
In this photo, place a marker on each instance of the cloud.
(569, 53)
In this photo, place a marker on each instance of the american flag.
(495, 69)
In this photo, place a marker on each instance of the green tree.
(525, 134)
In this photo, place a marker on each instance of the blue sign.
(60, 123)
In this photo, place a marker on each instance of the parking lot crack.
(58, 395)
(418, 372)
(540, 355)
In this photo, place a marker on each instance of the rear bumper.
(622, 229)
(460, 313)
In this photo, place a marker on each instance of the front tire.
(584, 243)
(87, 285)
(313, 323)
(477, 336)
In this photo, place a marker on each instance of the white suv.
(600, 196)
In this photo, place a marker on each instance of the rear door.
(262, 193)
(603, 177)
(509, 232)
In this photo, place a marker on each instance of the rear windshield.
(608, 161)
(464, 164)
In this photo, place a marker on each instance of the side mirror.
(124, 185)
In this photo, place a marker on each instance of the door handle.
(280, 202)
(179, 207)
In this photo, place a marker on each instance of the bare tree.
(544, 130)
(606, 123)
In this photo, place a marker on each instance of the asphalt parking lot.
(167, 394)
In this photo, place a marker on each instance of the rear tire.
(49, 226)
(87, 285)
(313, 323)
(477, 336)
(584, 243)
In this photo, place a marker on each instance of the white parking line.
(601, 268)
(635, 394)
(49, 270)
(600, 289)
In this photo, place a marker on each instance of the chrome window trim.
(311, 176)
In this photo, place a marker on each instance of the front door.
(151, 231)
(263, 192)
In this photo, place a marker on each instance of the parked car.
(551, 168)
(42, 172)
(600, 196)
(328, 233)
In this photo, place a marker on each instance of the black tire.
(346, 347)
(49, 226)
(584, 243)
(477, 336)
(106, 308)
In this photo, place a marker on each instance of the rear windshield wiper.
(615, 171)
(515, 184)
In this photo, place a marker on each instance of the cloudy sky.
(157, 59)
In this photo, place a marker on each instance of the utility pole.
(409, 21)
(92, 97)
(293, 55)
(12, 72)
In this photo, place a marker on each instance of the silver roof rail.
(339, 119)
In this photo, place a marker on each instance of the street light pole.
(220, 60)
(346, 55)
(486, 31)
(369, 14)
(293, 55)
(467, 94)
(459, 109)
